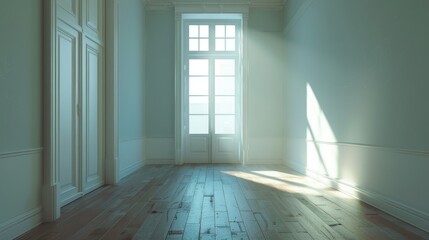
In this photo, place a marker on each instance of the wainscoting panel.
(21, 209)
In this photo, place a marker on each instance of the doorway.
(212, 88)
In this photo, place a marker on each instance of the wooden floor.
(221, 202)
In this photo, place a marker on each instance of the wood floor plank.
(231, 204)
(219, 197)
(223, 233)
(173, 206)
(240, 197)
(208, 216)
(194, 216)
(253, 230)
(192, 231)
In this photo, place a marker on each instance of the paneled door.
(68, 142)
(80, 78)
(93, 88)
(212, 91)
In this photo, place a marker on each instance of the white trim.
(374, 147)
(159, 161)
(111, 130)
(21, 224)
(256, 161)
(71, 198)
(178, 116)
(296, 167)
(132, 140)
(298, 14)
(404, 212)
(131, 169)
(244, 91)
(211, 16)
(50, 195)
(181, 8)
(29, 151)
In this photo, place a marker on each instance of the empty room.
(214, 119)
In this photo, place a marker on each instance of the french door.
(212, 103)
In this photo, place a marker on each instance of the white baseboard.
(296, 167)
(394, 208)
(264, 162)
(159, 161)
(131, 169)
(21, 224)
(51, 205)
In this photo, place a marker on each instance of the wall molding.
(28, 151)
(132, 140)
(299, 13)
(131, 169)
(397, 209)
(21, 224)
(159, 162)
(373, 147)
(257, 161)
(112, 95)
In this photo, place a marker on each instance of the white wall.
(265, 116)
(131, 78)
(356, 99)
(20, 116)
(265, 86)
(160, 85)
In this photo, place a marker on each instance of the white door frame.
(51, 184)
(179, 95)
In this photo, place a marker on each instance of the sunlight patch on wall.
(322, 152)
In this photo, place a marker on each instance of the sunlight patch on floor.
(291, 178)
(276, 184)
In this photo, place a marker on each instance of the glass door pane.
(198, 96)
(225, 96)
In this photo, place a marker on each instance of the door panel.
(93, 18)
(198, 147)
(67, 70)
(225, 149)
(68, 11)
(94, 85)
